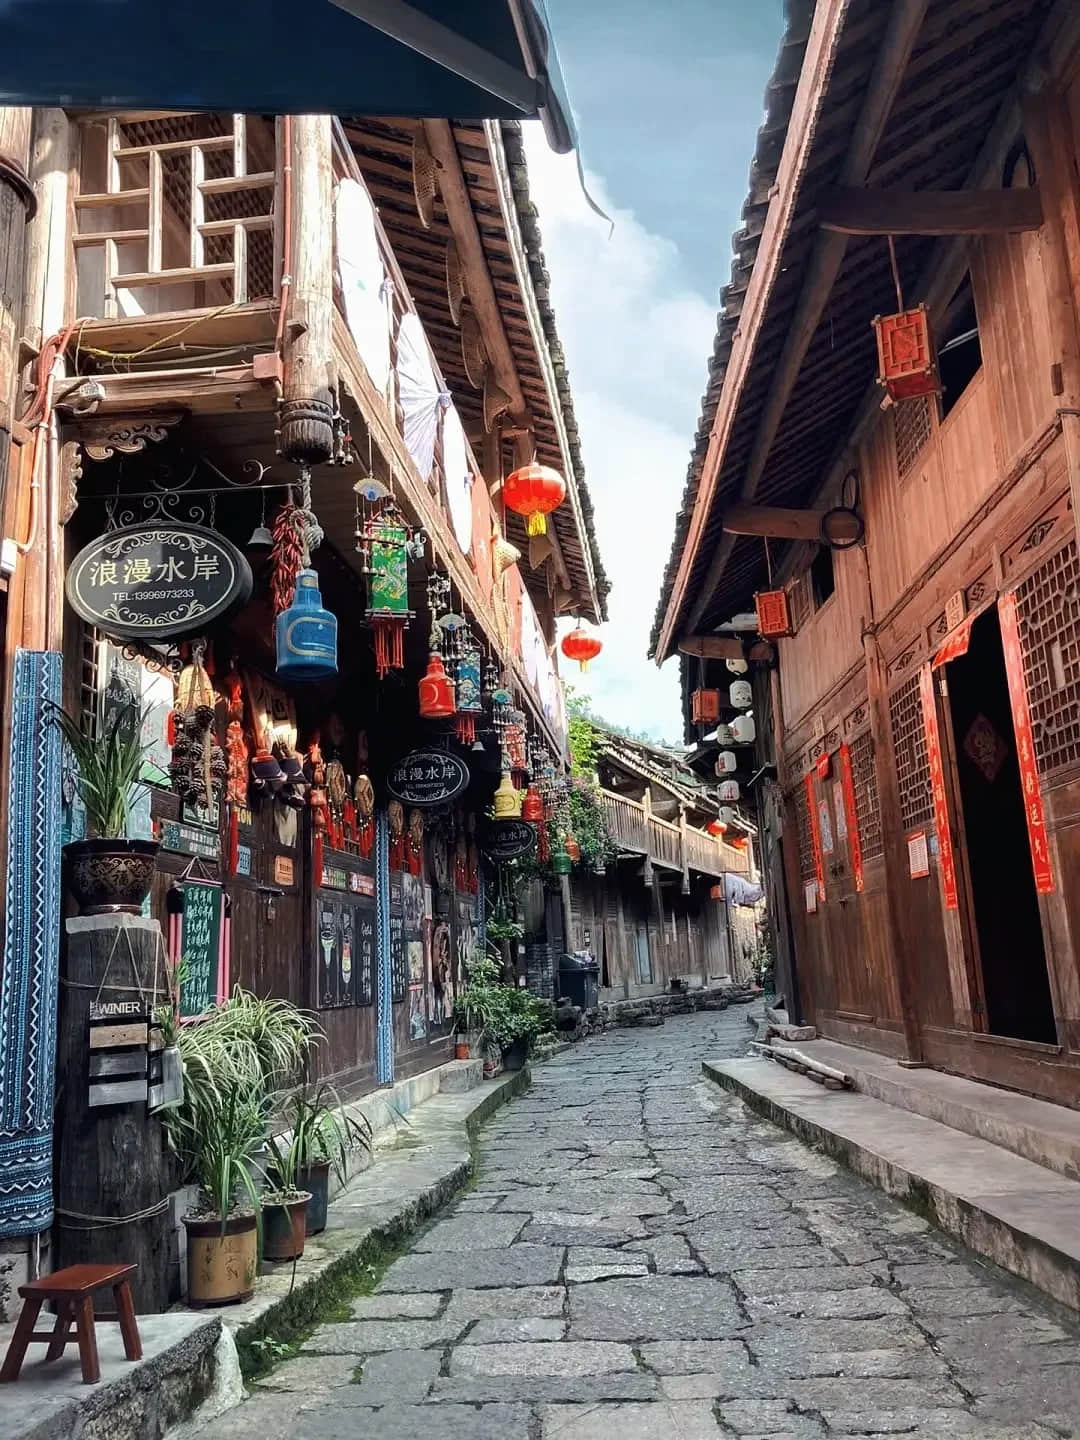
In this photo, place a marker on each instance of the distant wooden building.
(919, 729)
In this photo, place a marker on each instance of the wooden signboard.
(184, 839)
(118, 1060)
(202, 983)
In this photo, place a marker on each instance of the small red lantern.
(738, 842)
(715, 827)
(532, 807)
(906, 364)
(705, 707)
(773, 614)
(436, 691)
(579, 645)
(716, 892)
(572, 848)
(534, 490)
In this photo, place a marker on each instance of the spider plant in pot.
(284, 1203)
(216, 1134)
(107, 872)
(324, 1135)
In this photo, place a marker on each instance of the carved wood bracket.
(109, 436)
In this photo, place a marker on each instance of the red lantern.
(705, 707)
(532, 807)
(715, 827)
(738, 842)
(773, 614)
(436, 691)
(579, 645)
(534, 490)
(906, 364)
(572, 848)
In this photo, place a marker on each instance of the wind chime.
(436, 689)
(305, 634)
(562, 857)
(198, 766)
(382, 540)
(468, 687)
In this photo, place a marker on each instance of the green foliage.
(589, 824)
(320, 1132)
(518, 1015)
(109, 768)
(218, 1144)
(500, 926)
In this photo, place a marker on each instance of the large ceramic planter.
(221, 1267)
(316, 1181)
(515, 1055)
(284, 1229)
(109, 877)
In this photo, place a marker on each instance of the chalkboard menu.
(335, 940)
(399, 968)
(365, 953)
(345, 940)
(201, 947)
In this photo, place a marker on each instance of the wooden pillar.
(16, 210)
(791, 880)
(307, 410)
(896, 865)
(683, 855)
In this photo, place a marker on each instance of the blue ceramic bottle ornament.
(306, 634)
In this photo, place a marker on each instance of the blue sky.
(668, 99)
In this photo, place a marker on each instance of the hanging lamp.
(507, 801)
(436, 691)
(534, 491)
(305, 634)
(579, 645)
(532, 807)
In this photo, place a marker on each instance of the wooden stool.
(73, 1291)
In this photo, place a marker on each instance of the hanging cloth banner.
(459, 479)
(1025, 745)
(363, 280)
(955, 643)
(937, 788)
(419, 393)
(847, 781)
(815, 837)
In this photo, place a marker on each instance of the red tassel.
(350, 821)
(366, 840)
(466, 729)
(317, 858)
(389, 646)
(170, 730)
(234, 839)
(543, 845)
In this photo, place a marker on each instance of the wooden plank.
(96, 200)
(154, 213)
(244, 222)
(905, 21)
(208, 142)
(119, 1062)
(188, 275)
(197, 251)
(113, 1037)
(774, 521)
(712, 647)
(227, 184)
(224, 391)
(850, 210)
(99, 237)
(253, 324)
(116, 1092)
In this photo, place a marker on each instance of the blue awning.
(460, 59)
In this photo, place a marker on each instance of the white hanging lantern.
(726, 815)
(724, 735)
(727, 762)
(737, 667)
(741, 694)
(743, 729)
(729, 790)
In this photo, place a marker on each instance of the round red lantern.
(716, 827)
(436, 691)
(534, 490)
(579, 645)
(738, 842)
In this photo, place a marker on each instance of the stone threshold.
(1017, 1213)
(190, 1370)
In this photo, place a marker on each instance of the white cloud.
(636, 342)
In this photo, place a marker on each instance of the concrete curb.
(1026, 1228)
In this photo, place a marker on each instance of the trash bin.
(578, 979)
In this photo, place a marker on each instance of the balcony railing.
(637, 830)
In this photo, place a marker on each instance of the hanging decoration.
(198, 767)
(395, 814)
(515, 744)
(729, 790)
(737, 667)
(421, 396)
(743, 729)
(935, 764)
(907, 365)
(532, 807)
(337, 792)
(740, 694)
(387, 560)
(364, 800)
(579, 645)
(507, 804)
(716, 828)
(237, 751)
(773, 614)
(436, 690)
(704, 707)
(467, 688)
(534, 491)
(305, 634)
(727, 762)
(286, 555)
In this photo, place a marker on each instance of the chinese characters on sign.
(1025, 745)
(815, 837)
(918, 855)
(427, 778)
(847, 781)
(157, 582)
(202, 948)
(937, 789)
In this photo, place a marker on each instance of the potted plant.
(107, 872)
(284, 1204)
(323, 1135)
(473, 1007)
(519, 1018)
(217, 1143)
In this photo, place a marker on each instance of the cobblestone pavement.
(643, 1257)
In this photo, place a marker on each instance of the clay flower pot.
(110, 876)
(284, 1227)
(221, 1266)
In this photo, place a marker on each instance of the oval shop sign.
(427, 777)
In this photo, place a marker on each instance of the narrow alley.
(640, 1256)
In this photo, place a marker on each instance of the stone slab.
(516, 1265)
(660, 1307)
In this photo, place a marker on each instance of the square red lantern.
(773, 614)
(907, 367)
(705, 707)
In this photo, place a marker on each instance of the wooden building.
(918, 729)
(675, 902)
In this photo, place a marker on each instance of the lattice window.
(89, 680)
(911, 430)
(801, 603)
(807, 867)
(1048, 604)
(867, 810)
(909, 745)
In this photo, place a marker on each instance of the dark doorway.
(1016, 985)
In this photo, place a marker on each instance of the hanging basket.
(423, 178)
(455, 281)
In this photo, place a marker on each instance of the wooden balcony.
(681, 847)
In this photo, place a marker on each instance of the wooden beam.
(854, 211)
(782, 524)
(712, 647)
(481, 291)
(905, 21)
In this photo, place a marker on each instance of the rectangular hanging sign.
(937, 789)
(1025, 745)
(955, 643)
(203, 981)
(815, 836)
(918, 855)
(847, 781)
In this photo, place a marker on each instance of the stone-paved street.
(642, 1257)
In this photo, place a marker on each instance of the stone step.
(1036, 1130)
(1017, 1213)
